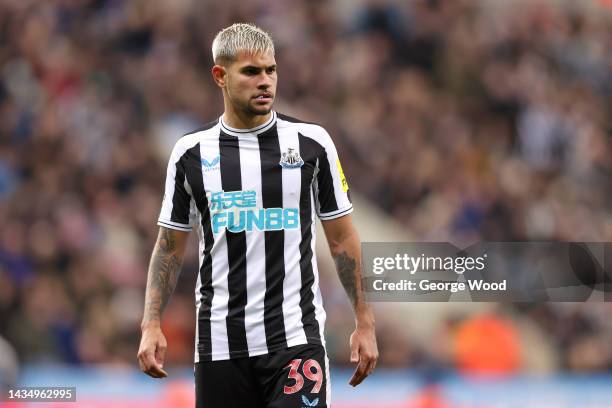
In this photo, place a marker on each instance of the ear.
(219, 75)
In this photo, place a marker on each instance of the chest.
(271, 171)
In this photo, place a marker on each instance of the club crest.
(291, 159)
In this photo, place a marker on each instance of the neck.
(243, 120)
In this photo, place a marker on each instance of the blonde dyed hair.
(240, 37)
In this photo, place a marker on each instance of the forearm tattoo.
(163, 275)
(346, 266)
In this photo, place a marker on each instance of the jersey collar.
(253, 131)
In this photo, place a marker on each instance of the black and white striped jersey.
(252, 195)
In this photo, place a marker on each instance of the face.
(249, 82)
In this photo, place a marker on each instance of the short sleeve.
(177, 210)
(331, 187)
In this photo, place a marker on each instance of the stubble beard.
(251, 110)
(248, 107)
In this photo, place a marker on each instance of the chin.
(261, 110)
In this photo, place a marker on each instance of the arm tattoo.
(163, 275)
(346, 266)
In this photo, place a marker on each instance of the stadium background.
(456, 120)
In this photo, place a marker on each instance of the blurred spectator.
(487, 344)
(9, 366)
(462, 119)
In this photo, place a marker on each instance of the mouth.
(264, 97)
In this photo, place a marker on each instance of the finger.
(156, 371)
(374, 363)
(152, 374)
(360, 372)
(356, 379)
(371, 364)
(142, 361)
(365, 368)
(354, 353)
(160, 355)
(152, 368)
(370, 368)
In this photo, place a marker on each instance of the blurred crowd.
(462, 119)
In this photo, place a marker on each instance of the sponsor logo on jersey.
(291, 159)
(308, 403)
(345, 186)
(210, 165)
(237, 211)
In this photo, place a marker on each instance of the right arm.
(163, 274)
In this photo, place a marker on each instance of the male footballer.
(250, 184)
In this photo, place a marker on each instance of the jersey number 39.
(312, 371)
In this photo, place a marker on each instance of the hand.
(364, 352)
(152, 352)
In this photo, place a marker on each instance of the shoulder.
(202, 131)
(190, 139)
(310, 130)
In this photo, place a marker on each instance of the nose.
(264, 82)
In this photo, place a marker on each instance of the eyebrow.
(258, 68)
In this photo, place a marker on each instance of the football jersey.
(252, 196)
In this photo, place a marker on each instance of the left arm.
(345, 248)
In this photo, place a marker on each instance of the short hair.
(240, 37)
